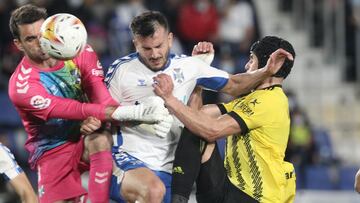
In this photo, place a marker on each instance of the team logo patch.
(178, 75)
(40, 102)
(141, 82)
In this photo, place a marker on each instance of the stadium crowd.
(231, 25)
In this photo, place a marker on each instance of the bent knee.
(153, 191)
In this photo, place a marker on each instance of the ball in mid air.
(63, 36)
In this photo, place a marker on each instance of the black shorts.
(213, 185)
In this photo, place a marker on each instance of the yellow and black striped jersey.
(254, 158)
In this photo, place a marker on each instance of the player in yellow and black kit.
(256, 127)
(255, 160)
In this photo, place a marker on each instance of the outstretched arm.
(243, 83)
(209, 127)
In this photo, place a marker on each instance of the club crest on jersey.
(40, 102)
(178, 75)
(141, 82)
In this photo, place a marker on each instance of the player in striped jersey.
(256, 126)
(147, 157)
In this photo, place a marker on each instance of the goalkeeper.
(52, 97)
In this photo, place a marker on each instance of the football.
(63, 36)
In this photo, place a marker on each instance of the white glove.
(160, 129)
(151, 110)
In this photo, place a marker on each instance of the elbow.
(210, 135)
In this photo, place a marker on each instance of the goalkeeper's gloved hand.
(151, 110)
(160, 129)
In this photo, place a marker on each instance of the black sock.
(186, 164)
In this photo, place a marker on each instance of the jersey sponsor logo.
(22, 83)
(178, 75)
(40, 102)
(245, 109)
(97, 72)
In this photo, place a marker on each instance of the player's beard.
(150, 65)
(37, 55)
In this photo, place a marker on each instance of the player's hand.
(150, 110)
(203, 48)
(90, 125)
(160, 129)
(204, 51)
(276, 60)
(163, 86)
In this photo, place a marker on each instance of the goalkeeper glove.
(151, 110)
(160, 129)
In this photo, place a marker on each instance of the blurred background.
(323, 88)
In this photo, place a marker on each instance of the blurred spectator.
(237, 32)
(197, 21)
(8, 53)
(351, 25)
(170, 9)
(119, 31)
(300, 147)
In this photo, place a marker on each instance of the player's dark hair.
(146, 23)
(266, 46)
(26, 14)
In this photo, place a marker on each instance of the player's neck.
(270, 82)
(49, 63)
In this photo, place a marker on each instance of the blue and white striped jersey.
(130, 81)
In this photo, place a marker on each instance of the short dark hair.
(26, 14)
(146, 23)
(266, 46)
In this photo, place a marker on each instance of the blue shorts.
(126, 162)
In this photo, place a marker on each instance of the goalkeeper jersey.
(130, 81)
(254, 159)
(52, 101)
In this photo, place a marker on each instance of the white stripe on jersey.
(130, 82)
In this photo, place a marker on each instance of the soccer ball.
(63, 36)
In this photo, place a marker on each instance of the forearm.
(195, 120)
(74, 110)
(242, 83)
(24, 189)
